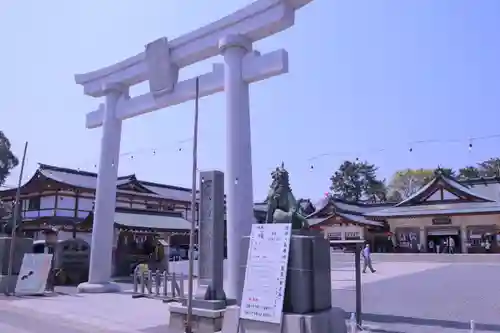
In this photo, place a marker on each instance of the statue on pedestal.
(281, 204)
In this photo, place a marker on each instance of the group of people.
(446, 245)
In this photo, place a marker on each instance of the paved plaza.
(399, 297)
(425, 297)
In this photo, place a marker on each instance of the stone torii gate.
(231, 36)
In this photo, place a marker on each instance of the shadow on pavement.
(392, 319)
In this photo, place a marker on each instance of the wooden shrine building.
(343, 221)
(64, 198)
(468, 212)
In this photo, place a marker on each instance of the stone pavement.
(77, 313)
(441, 299)
(398, 298)
(343, 274)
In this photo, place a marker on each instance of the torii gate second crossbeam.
(232, 36)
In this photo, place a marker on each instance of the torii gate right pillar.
(239, 189)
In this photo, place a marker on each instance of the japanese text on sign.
(265, 276)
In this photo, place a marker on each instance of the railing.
(168, 287)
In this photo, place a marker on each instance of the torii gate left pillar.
(159, 64)
(105, 202)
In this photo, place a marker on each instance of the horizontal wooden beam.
(255, 68)
(256, 21)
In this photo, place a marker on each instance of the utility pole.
(15, 217)
(189, 322)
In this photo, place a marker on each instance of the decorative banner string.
(179, 147)
(133, 154)
(411, 145)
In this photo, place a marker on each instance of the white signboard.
(265, 275)
(33, 275)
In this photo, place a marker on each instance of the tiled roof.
(360, 219)
(446, 181)
(437, 209)
(328, 205)
(88, 180)
(84, 180)
(156, 222)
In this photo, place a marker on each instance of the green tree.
(490, 168)
(447, 172)
(356, 180)
(8, 160)
(469, 172)
(404, 183)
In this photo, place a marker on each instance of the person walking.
(367, 259)
(451, 245)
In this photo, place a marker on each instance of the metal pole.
(357, 259)
(15, 217)
(189, 326)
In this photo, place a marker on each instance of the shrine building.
(145, 211)
(466, 211)
(345, 221)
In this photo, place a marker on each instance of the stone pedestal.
(8, 283)
(22, 246)
(209, 302)
(307, 306)
(332, 320)
(98, 288)
(204, 320)
(308, 282)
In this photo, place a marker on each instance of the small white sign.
(33, 275)
(265, 276)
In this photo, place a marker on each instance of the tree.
(354, 181)
(404, 183)
(447, 172)
(8, 160)
(469, 172)
(394, 196)
(490, 168)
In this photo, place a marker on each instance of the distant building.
(345, 221)
(64, 198)
(467, 212)
(145, 211)
(56, 196)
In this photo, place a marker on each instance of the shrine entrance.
(153, 248)
(440, 240)
(232, 37)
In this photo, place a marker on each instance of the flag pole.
(15, 217)
(189, 326)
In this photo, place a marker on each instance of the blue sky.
(364, 75)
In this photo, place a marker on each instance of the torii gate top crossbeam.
(257, 21)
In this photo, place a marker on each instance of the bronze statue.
(306, 207)
(281, 204)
